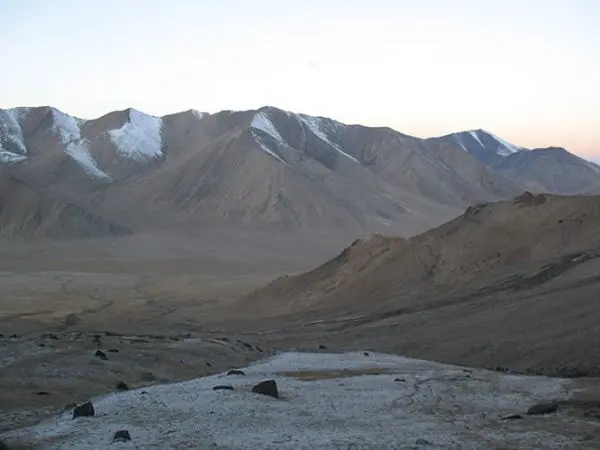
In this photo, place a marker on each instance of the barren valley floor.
(158, 317)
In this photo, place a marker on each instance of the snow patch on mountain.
(11, 134)
(140, 138)
(10, 158)
(261, 122)
(504, 148)
(314, 125)
(460, 142)
(476, 137)
(68, 129)
(198, 114)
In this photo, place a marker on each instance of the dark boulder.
(268, 387)
(236, 372)
(322, 347)
(85, 410)
(122, 435)
(512, 417)
(101, 355)
(223, 388)
(113, 350)
(542, 408)
(121, 386)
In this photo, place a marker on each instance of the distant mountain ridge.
(262, 168)
(552, 170)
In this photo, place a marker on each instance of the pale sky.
(527, 70)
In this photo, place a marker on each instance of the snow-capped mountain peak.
(480, 142)
(140, 138)
(68, 130)
(12, 142)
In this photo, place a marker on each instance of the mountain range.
(268, 168)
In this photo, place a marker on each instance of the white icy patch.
(438, 403)
(262, 122)
(504, 148)
(198, 114)
(140, 138)
(476, 137)
(68, 129)
(313, 124)
(10, 129)
(460, 143)
(270, 152)
(10, 158)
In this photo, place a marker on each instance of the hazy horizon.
(526, 72)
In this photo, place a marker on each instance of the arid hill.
(520, 275)
(26, 213)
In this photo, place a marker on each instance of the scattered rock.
(542, 408)
(85, 410)
(71, 320)
(1, 335)
(512, 417)
(96, 338)
(258, 349)
(421, 441)
(223, 388)
(3, 446)
(245, 344)
(122, 435)
(366, 353)
(13, 336)
(235, 372)
(101, 355)
(322, 347)
(42, 393)
(401, 380)
(224, 339)
(41, 344)
(113, 350)
(268, 387)
(121, 386)
(50, 336)
(208, 364)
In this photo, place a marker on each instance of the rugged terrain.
(552, 170)
(262, 169)
(195, 242)
(510, 284)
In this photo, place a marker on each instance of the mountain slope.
(26, 213)
(265, 168)
(523, 270)
(552, 170)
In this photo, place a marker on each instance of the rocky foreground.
(325, 400)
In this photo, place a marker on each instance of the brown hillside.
(521, 269)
